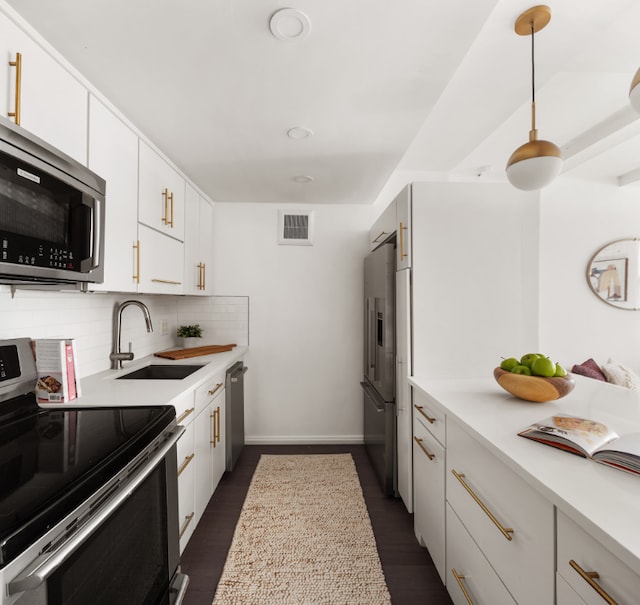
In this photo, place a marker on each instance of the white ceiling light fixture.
(634, 92)
(536, 163)
(289, 24)
(299, 132)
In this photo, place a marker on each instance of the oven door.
(123, 550)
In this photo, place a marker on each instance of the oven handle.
(46, 563)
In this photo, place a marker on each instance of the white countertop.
(605, 501)
(104, 390)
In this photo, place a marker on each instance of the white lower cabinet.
(470, 577)
(565, 595)
(592, 571)
(186, 485)
(512, 524)
(429, 468)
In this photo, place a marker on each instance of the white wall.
(305, 356)
(577, 219)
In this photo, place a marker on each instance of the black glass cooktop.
(53, 460)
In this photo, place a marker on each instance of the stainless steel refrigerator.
(379, 365)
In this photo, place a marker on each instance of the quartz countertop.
(104, 390)
(605, 501)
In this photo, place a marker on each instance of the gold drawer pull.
(506, 531)
(214, 390)
(166, 281)
(377, 239)
(188, 520)
(423, 448)
(184, 415)
(184, 465)
(421, 410)
(459, 579)
(590, 578)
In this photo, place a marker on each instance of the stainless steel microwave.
(51, 214)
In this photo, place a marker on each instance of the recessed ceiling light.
(289, 24)
(299, 132)
(302, 179)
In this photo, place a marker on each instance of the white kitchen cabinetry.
(209, 440)
(158, 262)
(384, 227)
(113, 154)
(49, 101)
(592, 571)
(198, 247)
(161, 194)
(429, 469)
(512, 524)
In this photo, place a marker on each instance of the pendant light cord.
(533, 133)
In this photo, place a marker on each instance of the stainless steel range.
(88, 498)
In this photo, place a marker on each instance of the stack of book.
(56, 364)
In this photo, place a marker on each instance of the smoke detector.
(289, 24)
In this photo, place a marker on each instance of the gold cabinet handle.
(18, 65)
(201, 270)
(402, 252)
(165, 214)
(185, 463)
(506, 531)
(423, 448)
(460, 580)
(188, 520)
(136, 247)
(215, 389)
(166, 281)
(216, 426)
(219, 417)
(170, 223)
(590, 578)
(184, 415)
(377, 239)
(421, 410)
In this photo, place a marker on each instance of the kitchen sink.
(161, 372)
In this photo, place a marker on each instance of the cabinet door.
(403, 225)
(204, 432)
(565, 595)
(53, 104)
(403, 394)
(384, 226)
(429, 498)
(161, 192)
(198, 246)
(113, 154)
(159, 262)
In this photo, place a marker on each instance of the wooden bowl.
(534, 388)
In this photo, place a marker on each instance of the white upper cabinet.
(198, 247)
(161, 193)
(384, 227)
(49, 101)
(113, 154)
(159, 263)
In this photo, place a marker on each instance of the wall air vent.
(295, 228)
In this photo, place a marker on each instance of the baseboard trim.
(304, 440)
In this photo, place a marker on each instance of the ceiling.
(442, 88)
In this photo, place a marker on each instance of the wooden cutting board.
(194, 352)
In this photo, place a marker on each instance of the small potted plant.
(190, 335)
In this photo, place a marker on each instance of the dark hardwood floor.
(408, 569)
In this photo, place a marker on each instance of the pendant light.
(634, 92)
(536, 163)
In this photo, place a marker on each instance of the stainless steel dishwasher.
(234, 435)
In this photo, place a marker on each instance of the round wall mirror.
(613, 274)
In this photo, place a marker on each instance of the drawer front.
(185, 408)
(186, 485)
(512, 523)
(430, 414)
(208, 391)
(470, 578)
(429, 470)
(565, 595)
(615, 579)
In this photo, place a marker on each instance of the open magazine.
(589, 439)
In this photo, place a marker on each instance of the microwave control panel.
(19, 250)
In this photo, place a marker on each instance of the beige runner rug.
(304, 537)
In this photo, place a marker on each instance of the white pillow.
(621, 375)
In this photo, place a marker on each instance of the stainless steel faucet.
(116, 356)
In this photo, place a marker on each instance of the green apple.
(560, 371)
(528, 359)
(543, 366)
(509, 363)
(520, 369)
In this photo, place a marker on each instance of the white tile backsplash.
(88, 318)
